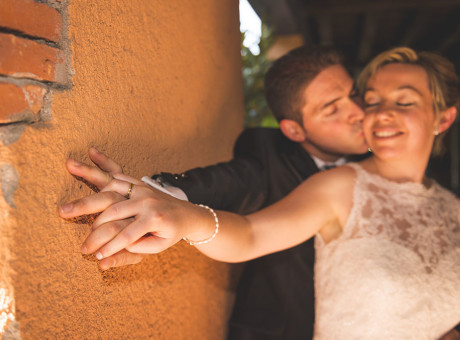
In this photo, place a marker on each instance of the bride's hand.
(159, 221)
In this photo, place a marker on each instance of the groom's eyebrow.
(329, 103)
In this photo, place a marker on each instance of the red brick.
(32, 18)
(17, 102)
(35, 97)
(22, 58)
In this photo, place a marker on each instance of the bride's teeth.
(384, 134)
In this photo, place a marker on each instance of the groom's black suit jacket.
(275, 297)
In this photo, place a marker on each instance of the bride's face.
(399, 116)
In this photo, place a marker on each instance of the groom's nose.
(356, 113)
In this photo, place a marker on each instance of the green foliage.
(254, 70)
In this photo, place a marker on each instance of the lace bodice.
(394, 272)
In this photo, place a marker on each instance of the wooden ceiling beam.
(369, 33)
(277, 14)
(450, 40)
(301, 21)
(325, 30)
(416, 28)
(346, 7)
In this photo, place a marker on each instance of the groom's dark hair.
(286, 80)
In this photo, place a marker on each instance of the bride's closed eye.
(405, 104)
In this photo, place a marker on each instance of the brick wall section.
(20, 103)
(31, 55)
(31, 18)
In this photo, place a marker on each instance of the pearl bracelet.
(209, 239)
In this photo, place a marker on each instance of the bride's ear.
(446, 118)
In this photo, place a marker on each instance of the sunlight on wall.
(6, 309)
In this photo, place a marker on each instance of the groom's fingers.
(104, 162)
(89, 173)
(90, 204)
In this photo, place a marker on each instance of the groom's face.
(332, 119)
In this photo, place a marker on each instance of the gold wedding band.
(130, 191)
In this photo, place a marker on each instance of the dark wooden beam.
(416, 28)
(343, 7)
(369, 32)
(325, 30)
(301, 21)
(450, 40)
(277, 14)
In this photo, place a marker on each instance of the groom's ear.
(447, 117)
(293, 130)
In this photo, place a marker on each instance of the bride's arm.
(161, 221)
(287, 223)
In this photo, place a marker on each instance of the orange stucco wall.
(156, 85)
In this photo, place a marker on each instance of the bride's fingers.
(103, 234)
(104, 162)
(90, 173)
(133, 233)
(117, 211)
(151, 245)
(122, 258)
(90, 204)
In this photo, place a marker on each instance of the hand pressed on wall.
(101, 175)
(149, 222)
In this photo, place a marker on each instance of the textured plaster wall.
(157, 86)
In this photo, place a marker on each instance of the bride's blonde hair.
(442, 78)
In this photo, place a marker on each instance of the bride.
(387, 238)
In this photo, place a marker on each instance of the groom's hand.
(99, 175)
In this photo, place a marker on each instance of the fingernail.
(66, 207)
(83, 249)
(99, 256)
(105, 265)
(75, 163)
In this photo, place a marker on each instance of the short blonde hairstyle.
(442, 78)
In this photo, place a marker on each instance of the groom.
(311, 95)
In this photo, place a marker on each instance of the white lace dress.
(394, 273)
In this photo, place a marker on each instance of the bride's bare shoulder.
(334, 179)
(336, 187)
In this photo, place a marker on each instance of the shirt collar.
(321, 164)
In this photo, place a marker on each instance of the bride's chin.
(387, 153)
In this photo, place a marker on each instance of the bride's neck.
(402, 170)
